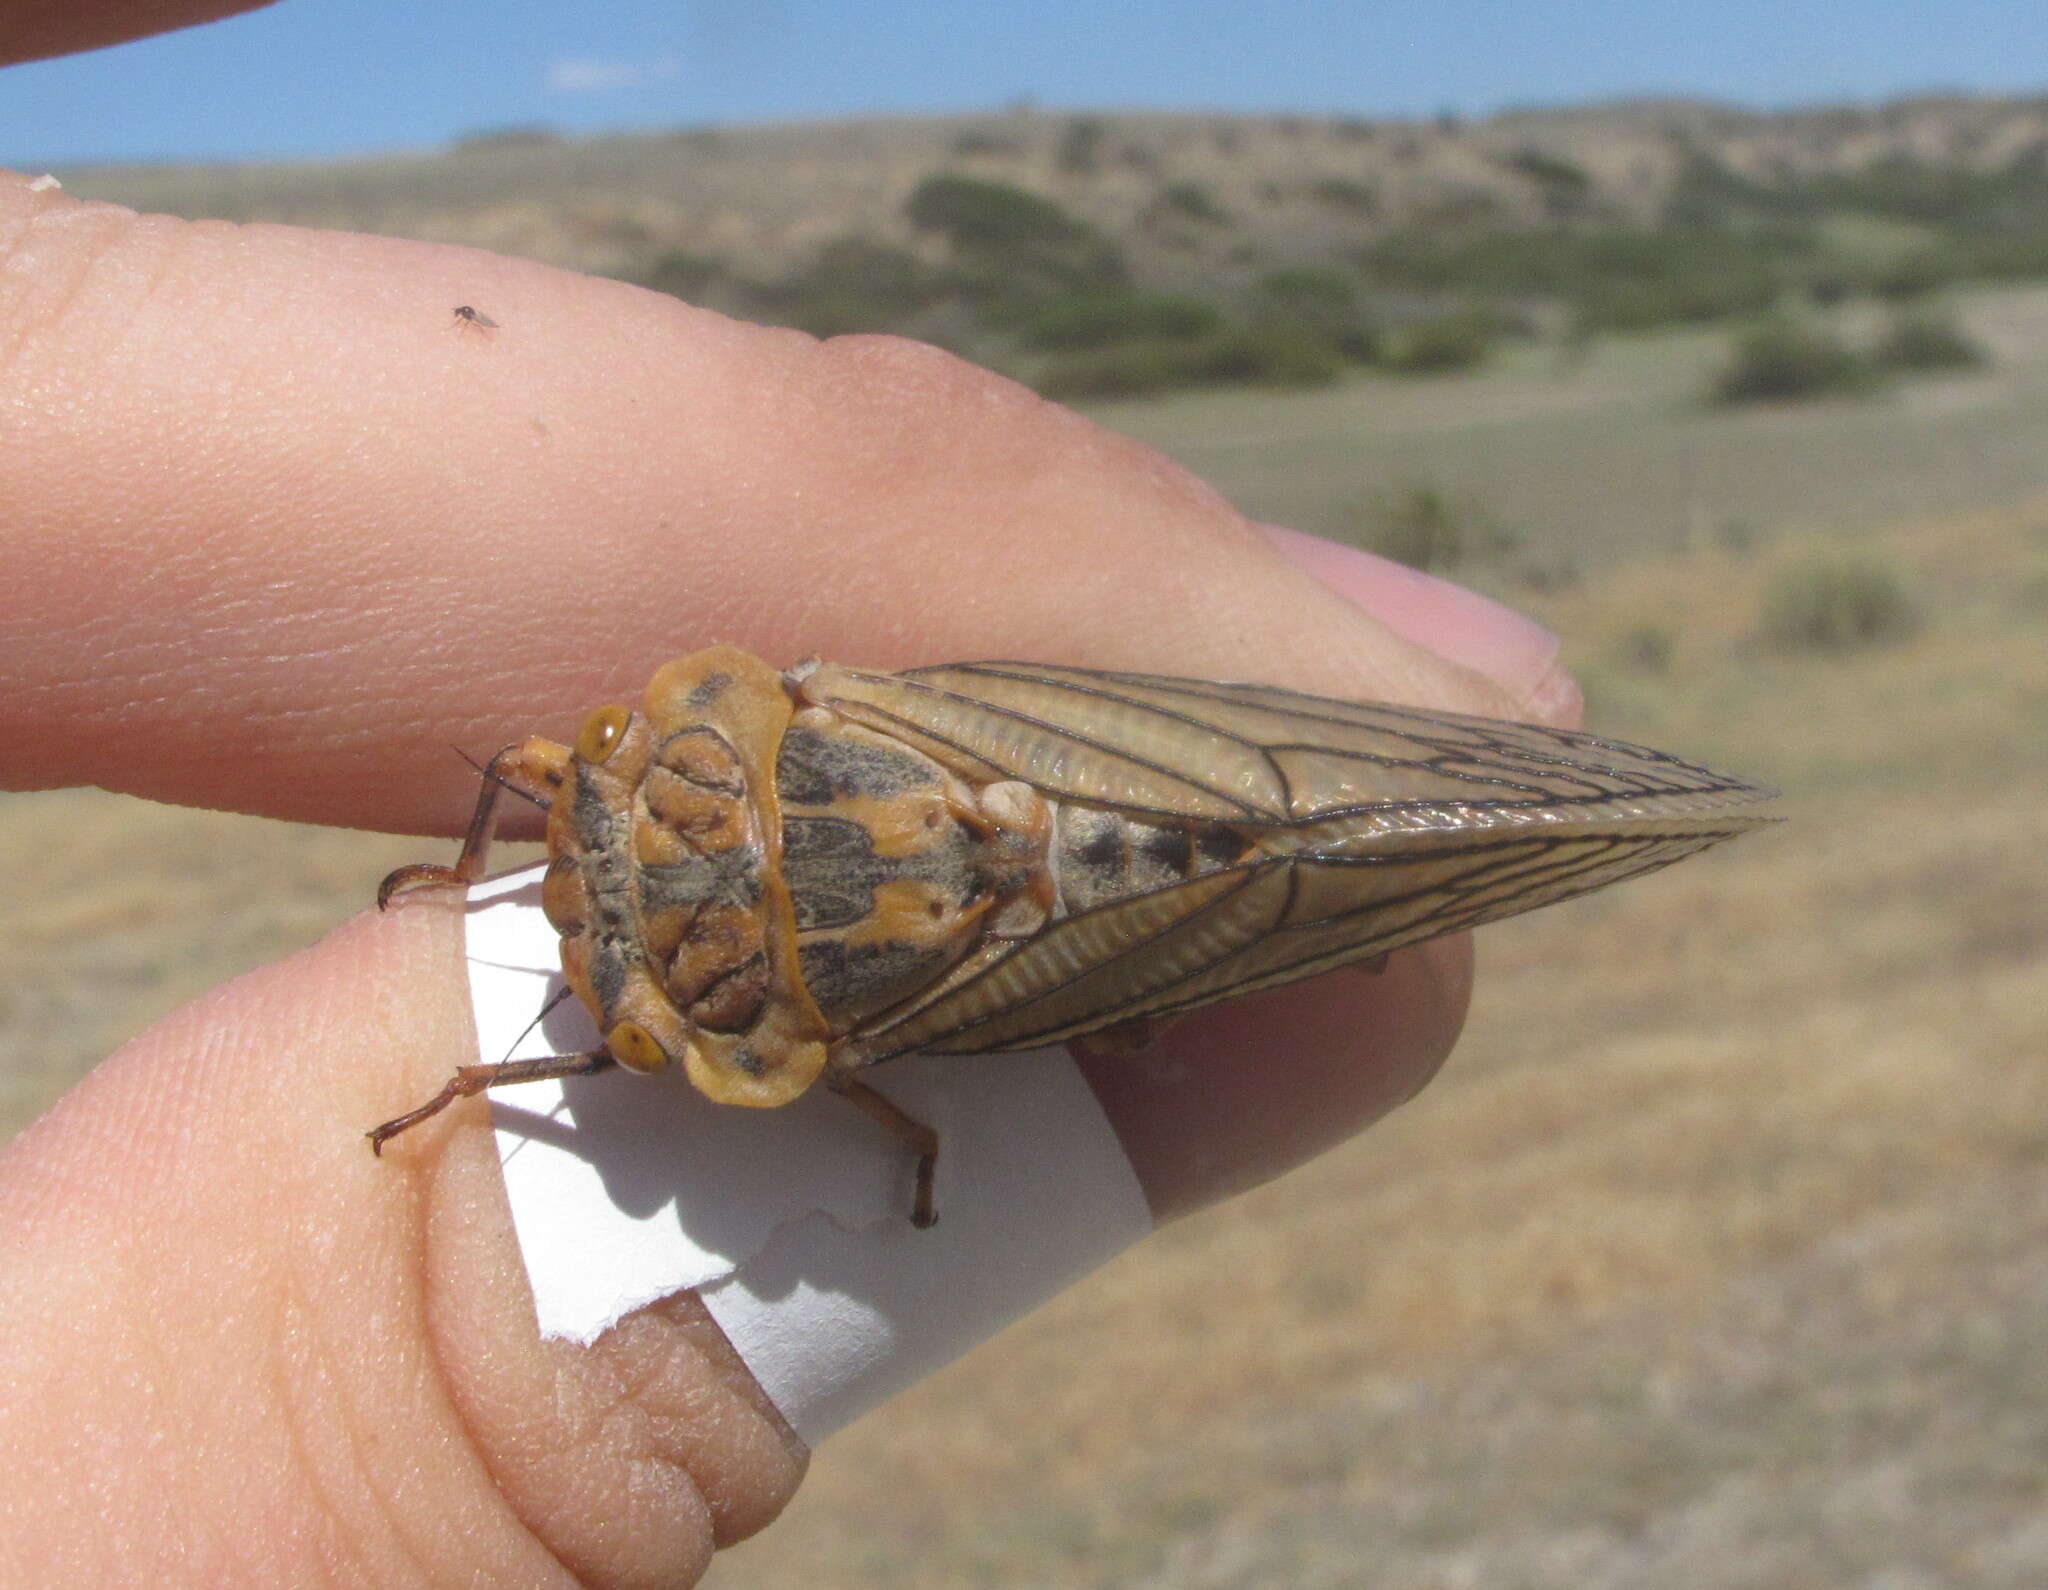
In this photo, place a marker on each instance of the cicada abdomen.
(771, 877)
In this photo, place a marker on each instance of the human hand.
(281, 534)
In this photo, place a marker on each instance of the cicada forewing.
(1312, 833)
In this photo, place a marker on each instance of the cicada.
(771, 877)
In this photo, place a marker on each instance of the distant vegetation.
(1015, 278)
(1780, 358)
(1096, 254)
(1426, 527)
(1786, 358)
(1836, 604)
(1927, 340)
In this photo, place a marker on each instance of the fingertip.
(1457, 624)
(1237, 1094)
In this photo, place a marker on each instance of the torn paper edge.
(791, 1223)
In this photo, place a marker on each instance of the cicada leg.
(919, 1138)
(471, 1080)
(533, 768)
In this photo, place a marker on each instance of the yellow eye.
(633, 1046)
(601, 733)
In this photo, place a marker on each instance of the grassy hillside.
(1105, 255)
(1615, 454)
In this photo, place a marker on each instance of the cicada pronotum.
(771, 877)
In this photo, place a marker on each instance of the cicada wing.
(1368, 827)
(1243, 929)
(1086, 971)
(1254, 754)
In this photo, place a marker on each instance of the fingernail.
(1459, 625)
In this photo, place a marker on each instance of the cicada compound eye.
(634, 1047)
(601, 733)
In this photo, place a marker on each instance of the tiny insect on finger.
(471, 319)
(772, 878)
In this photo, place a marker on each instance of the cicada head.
(664, 843)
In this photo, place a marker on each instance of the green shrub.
(1273, 353)
(1913, 275)
(680, 272)
(1322, 300)
(1010, 247)
(1438, 345)
(1646, 649)
(1127, 369)
(1342, 193)
(1100, 319)
(1834, 604)
(1549, 170)
(1927, 339)
(1566, 189)
(1193, 201)
(1782, 360)
(1613, 278)
(1309, 290)
(1259, 354)
(1425, 528)
(1080, 147)
(851, 284)
(971, 213)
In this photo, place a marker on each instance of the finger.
(286, 532)
(33, 29)
(1459, 625)
(285, 1352)
(1236, 1095)
(353, 608)
(256, 667)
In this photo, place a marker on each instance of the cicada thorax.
(893, 868)
(739, 884)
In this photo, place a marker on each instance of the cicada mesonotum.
(771, 877)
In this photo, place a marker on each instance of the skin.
(278, 537)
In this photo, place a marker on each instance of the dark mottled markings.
(593, 815)
(1098, 838)
(1170, 847)
(816, 769)
(608, 972)
(858, 977)
(1105, 856)
(726, 877)
(1218, 845)
(607, 868)
(833, 871)
(709, 689)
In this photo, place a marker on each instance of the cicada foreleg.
(533, 768)
(919, 1138)
(469, 1081)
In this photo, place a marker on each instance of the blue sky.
(333, 77)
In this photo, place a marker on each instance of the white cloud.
(588, 75)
